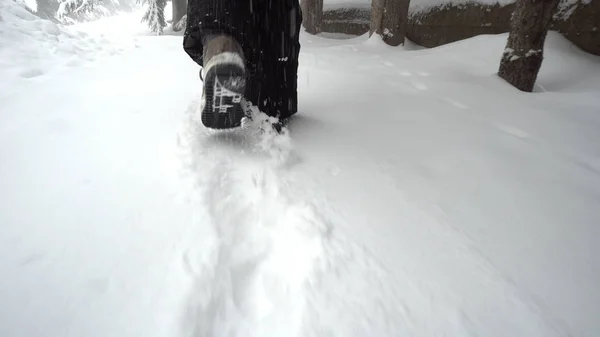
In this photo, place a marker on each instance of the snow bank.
(337, 4)
(565, 7)
(422, 5)
(415, 5)
(31, 47)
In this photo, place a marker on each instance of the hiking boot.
(224, 78)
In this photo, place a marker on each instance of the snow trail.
(265, 241)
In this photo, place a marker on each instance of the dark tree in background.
(179, 10)
(312, 15)
(389, 19)
(522, 58)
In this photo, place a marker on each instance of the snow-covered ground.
(415, 194)
(32, 48)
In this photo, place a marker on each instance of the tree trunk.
(312, 15)
(522, 58)
(389, 19)
(179, 10)
(46, 9)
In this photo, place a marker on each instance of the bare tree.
(389, 19)
(179, 10)
(312, 15)
(524, 52)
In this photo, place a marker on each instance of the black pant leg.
(214, 17)
(269, 32)
(273, 83)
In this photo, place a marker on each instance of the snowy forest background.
(521, 60)
(73, 11)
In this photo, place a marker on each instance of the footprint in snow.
(267, 246)
(513, 131)
(31, 259)
(454, 103)
(74, 61)
(58, 126)
(406, 73)
(31, 73)
(419, 86)
(98, 285)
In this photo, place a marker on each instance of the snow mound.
(337, 4)
(564, 11)
(30, 47)
(424, 5)
(417, 5)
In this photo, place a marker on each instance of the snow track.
(275, 261)
(265, 241)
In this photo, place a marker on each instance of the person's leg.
(213, 38)
(268, 32)
(274, 69)
(286, 71)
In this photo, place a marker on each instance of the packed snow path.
(415, 195)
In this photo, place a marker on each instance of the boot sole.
(224, 87)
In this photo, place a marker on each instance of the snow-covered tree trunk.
(312, 15)
(522, 58)
(155, 15)
(179, 10)
(46, 9)
(389, 19)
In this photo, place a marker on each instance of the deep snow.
(415, 194)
